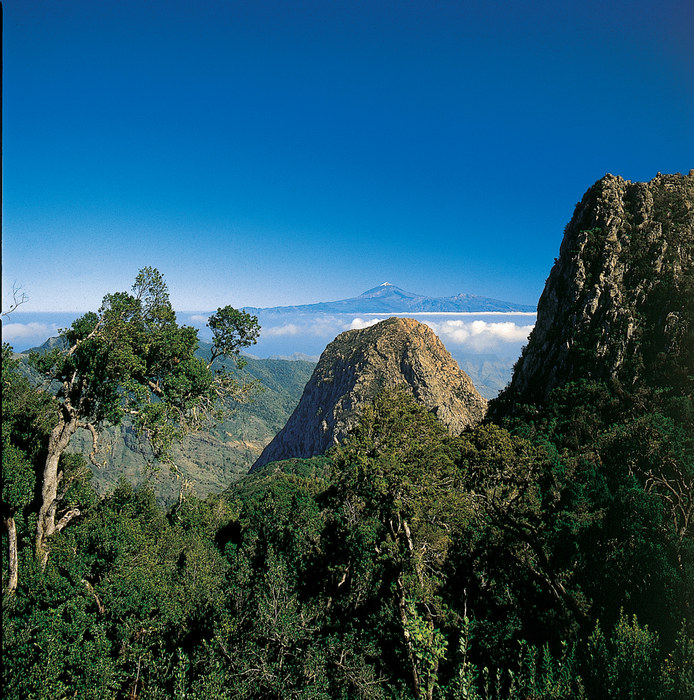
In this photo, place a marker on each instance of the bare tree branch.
(97, 600)
(18, 298)
(72, 513)
(95, 442)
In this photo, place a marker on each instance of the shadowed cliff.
(619, 301)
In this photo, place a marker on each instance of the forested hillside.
(545, 553)
(210, 459)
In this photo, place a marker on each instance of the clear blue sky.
(264, 153)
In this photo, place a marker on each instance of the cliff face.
(618, 301)
(357, 365)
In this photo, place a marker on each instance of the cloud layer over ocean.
(309, 333)
(503, 334)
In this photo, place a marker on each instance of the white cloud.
(310, 332)
(325, 328)
(12, 332)
(315, 326)
(288, 329)
(361, 323)
(480, 335)
(198, 318)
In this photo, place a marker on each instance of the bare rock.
(617, 303)
(397, 352)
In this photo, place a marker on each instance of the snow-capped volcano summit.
(387, 298)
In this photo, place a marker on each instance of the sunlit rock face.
(397, 352)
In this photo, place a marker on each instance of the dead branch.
(18, 298)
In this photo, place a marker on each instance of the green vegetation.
(546, 555)
(543, 559)
(208, 460)
(130, 359)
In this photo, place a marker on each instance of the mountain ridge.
(388, 298)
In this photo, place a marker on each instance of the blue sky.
(266, 153)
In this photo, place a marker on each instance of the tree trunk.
(13, 562)
(58, 441)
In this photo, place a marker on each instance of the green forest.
(546, 553)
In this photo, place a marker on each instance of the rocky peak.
(618, 301)
(397, 352)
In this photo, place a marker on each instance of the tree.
(518, 490)
(398, 506)
(132, 359)
(25, 429)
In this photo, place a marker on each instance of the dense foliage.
(542, 559)
(131, 359)
(547, 555)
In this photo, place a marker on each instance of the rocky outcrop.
(397, 352)
(618, 301)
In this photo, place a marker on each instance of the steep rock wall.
(357, 365)
(618, 301)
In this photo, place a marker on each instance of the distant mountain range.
(387, 298)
